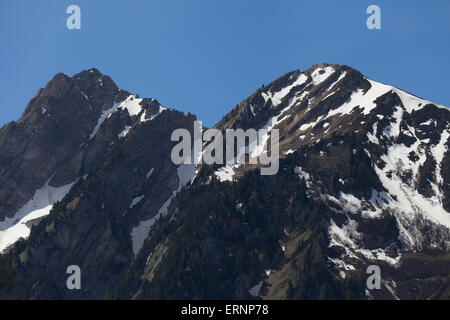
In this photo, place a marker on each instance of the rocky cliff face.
(112, 151)
(46, 143)
(363, 180)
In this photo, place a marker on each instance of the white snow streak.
(12, 229)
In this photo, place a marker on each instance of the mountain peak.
(91, 73)
(321, 65)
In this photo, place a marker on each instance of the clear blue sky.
(205, 56)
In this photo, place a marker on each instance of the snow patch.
(136, 200)
(278, 97)
(226, 173)
(149, 173)
(186, 173)
(15, 228)
(132, 105)
(254, 291)
(321, 74)
(124, 131)
(303, 174)
(364, 100)
(105, 114)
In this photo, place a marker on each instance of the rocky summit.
(363, 182)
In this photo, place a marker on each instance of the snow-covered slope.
(404, 138)
(15, 228)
